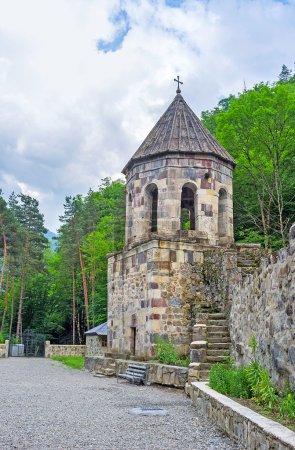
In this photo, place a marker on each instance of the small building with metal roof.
(96, 340)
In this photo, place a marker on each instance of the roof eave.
(133, 161)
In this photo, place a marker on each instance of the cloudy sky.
(83, 81)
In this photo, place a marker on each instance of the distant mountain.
(51, 237)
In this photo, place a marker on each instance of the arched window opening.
(154, 215)
(152, 207)
(222, 201)
(187, 215)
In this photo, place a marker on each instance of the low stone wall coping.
(267, 426)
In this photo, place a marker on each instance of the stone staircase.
(211, 344)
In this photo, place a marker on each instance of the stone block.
(198, 344)
(200, 332)
(198, 355)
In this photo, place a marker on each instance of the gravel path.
(44, 405)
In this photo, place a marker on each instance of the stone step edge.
(219, 340)
(217, 352)
(218, 345)
(217, 316)
(215, 359)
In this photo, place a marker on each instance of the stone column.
(6, 348)
(47, 349)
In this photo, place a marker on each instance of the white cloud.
(70, 115)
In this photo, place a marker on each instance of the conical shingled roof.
(179, 131)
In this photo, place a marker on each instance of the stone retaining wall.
(158, 373)
(263, 306)
(63, 350)
(4, 350)
(251, 430)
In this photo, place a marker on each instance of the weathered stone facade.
(95, 346)
(206, 177)
(154, 288)
(263, 306)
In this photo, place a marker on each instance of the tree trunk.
(11, 308)
(4, 260)
(84, 282)
(21, 300)
(92, 292)
(78, 328)
(74, 307)
(6, 301)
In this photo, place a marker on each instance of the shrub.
(262, 389)
(252, 381)
(253, 374)
(229, 380)
(266, 392)
(183, 361)
(287, 406)
(166, 351)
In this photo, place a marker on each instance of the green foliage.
(253, 373)
(184, 361)
(75, 362)
(252, 382)
(265, 392)
(258, 129)
(286, 405)
(58, 293)
(2, 338)
(229, 380)
(166, 351)
(253, 345)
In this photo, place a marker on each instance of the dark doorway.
(154, 218)
(133, 340)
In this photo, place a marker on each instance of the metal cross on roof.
(178, 83)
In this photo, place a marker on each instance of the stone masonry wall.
(94, 346)
(263, 306)
(205, 175)
(158, 373)
(154, 289)
(63, 350)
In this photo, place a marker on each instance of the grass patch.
(75, 362)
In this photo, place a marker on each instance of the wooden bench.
(135, 374)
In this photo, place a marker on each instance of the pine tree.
(33, 243)
(285, 74)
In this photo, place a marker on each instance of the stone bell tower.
(179, 203)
